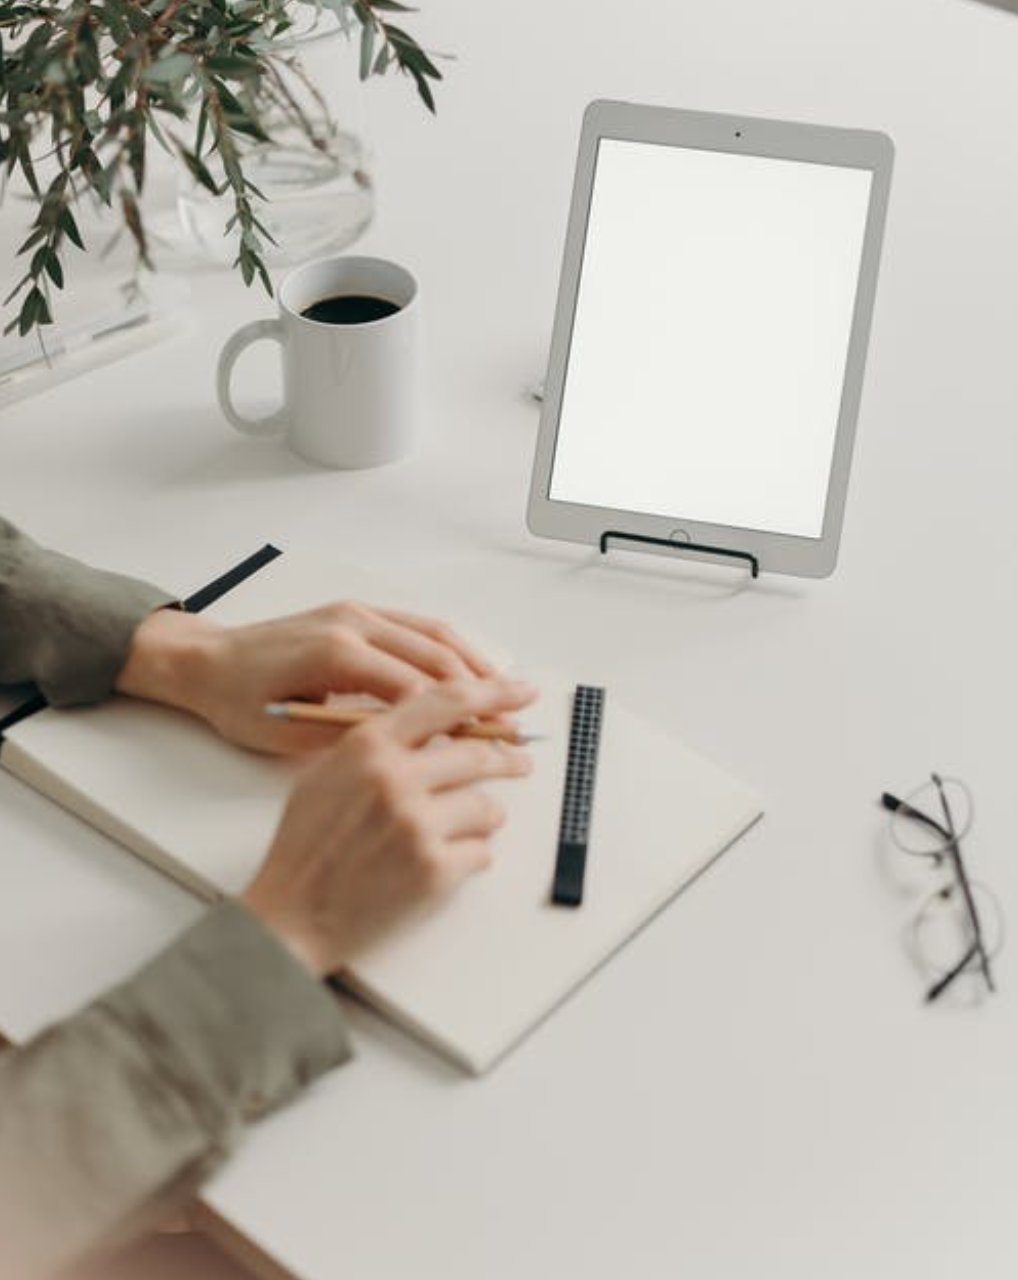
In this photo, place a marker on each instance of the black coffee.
(350, 308)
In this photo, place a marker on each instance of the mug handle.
(275, 423)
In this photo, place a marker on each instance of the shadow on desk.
(1010, 5)
(241, 462)
(222, 456)
(695, 582)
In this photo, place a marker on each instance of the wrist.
(299, 940)
(171, 659)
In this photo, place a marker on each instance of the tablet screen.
(710, 337)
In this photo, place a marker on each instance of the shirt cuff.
(75, 624)
(236, 1024)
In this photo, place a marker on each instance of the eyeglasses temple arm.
(966, 888)
(899, 806)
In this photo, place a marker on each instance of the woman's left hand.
(226, 675)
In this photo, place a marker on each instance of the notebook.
(474, 974)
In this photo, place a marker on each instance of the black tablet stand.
(751, 560)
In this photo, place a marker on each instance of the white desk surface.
(752, 1087)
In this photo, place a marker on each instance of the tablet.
(710, 336)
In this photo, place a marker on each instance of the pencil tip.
(525, 736)
(276, 709)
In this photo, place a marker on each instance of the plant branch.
(92, 79)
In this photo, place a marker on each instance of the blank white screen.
(710, 337)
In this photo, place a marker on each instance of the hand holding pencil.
(326, 714)
(227, 675)
(385, 818)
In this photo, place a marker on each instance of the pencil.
(322, 713)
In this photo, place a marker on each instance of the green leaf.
(198, 169)
(232, 169)
(136, 157)
(69, 227)
(38, 234)
(89, 66)
(203, 124)
(424, 89)
(17, 289)
(30, 310)
(410, 52)
(234, 67)
(238, 117)
(248, 126)
(416, 59)
(132, 217)
(27, 168)
(152, 124)
(170, 70)
(54, 270)
(367, 49)
(137, 19)
(114, 19)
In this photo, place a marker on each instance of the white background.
(751, 1089)
(710, 336)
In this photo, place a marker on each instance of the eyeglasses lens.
(943, 933)
(923, 824)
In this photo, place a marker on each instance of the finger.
(444, 706)
(277, 737)
(366, 669)
(444, 635)
(420, 651)
(459, 762)
(465, 857)
(465, 811)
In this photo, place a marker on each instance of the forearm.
(111, 1119)
(64, 626)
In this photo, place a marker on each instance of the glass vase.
(315, 175)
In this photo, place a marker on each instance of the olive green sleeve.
(112, 1118)
(64, 626)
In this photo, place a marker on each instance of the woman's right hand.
(385, 820)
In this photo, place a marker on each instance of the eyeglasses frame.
(952, 850)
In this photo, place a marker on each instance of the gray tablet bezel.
(740, 135)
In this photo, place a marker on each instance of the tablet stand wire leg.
(616, 535)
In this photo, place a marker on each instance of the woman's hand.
(227, 675)
(384, 821)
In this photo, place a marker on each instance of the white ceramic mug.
(349, 390)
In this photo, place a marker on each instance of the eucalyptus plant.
(87, 85)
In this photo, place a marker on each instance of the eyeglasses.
(960, 927)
